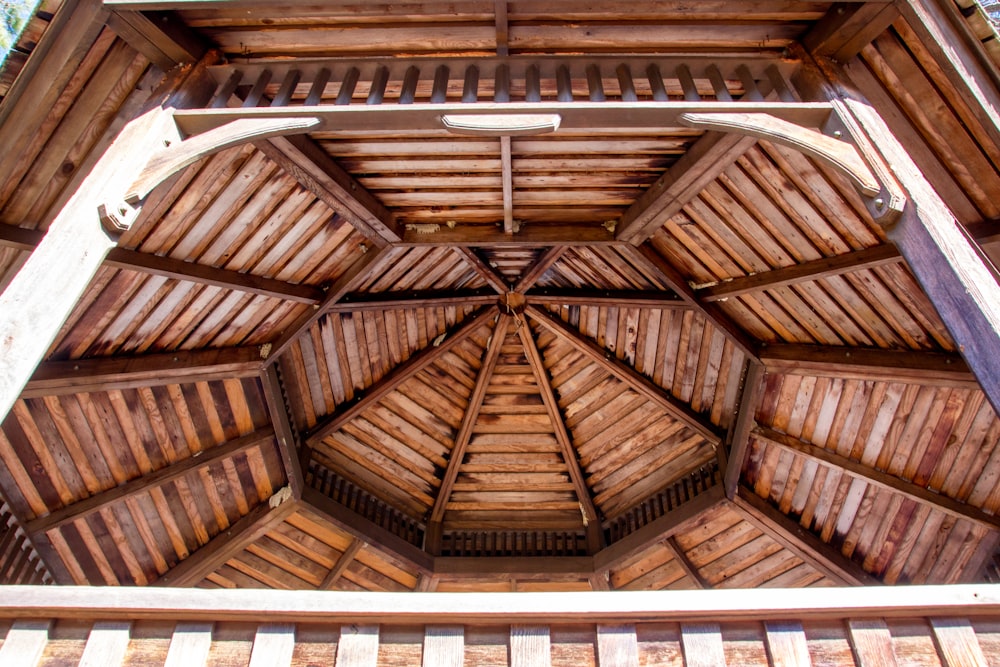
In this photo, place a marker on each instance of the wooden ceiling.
(627, 354)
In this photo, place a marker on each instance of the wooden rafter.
(492, 277)
(507, 180)
(738, 438)
(637, 381)
(359, 302)
(231, 542)
(146, 483)
(592, 520)
(53, 378)
(284, 431)
(689, 569)
(529, 236)
(849, 27)
(397, 376)
(800, 541)
(876, 477)
(562, 568)
(538, 269)
(464, 433)
(868, 364)
(346, 558)
(160, 36)
(611, 298)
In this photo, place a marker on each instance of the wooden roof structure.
(500, 295)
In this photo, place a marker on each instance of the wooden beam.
(538, 269)
(228, 544)
(591, 518)
(285, 432)
(712, 154)
(738, 437)
(464, 433)
(689, 569)
(804, 544)
(883, 480)
(613, 298)
(507, 176)
(646, 259)
(376, 536)
(869, 364)
(132, 260)
(154, 480)
(54, 378)
(161, 37)
(657, 530)
(346, 558)
(397, 376)
(489, 236)
(637, 381)
(306, 161)
(359, 302)
(848, 28)
(544, 568)
(492, 277)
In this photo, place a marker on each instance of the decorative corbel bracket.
(118, 216)
(838, 145)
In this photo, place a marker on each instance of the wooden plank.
(224, 546)
(189, 645)
(507, 177)
(689, 569)
(878, 478)
(358, 646)
(147, 483)
(161, 36)
(285, 434)
(739, 434)
(444, 646)
(397, 376)
(957, 643)
(538, 269)
(868, 364)
(871, 643)
(640, 383)
(846, 29)
(380, 302)
(55, 378)
(799, 541)
(346, 558)
(489, 236)
(106, 644)
(612, 298)
(617, 646)
(786, 644)
(702, 644)
(699, 166)
(549, 568)
(25, 643)
(530, 646)
(273, 645)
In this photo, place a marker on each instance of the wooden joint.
(836, 145)
(117, 218)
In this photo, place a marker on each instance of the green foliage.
(15, 15)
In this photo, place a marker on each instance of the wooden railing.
(953, 625)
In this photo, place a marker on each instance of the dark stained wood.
(342, 564)
(53, 378)
(550, 296)
(162, 37)
(360, 302)
(689, 569)
(931, 368)
(397, 376)
(284, 432)
(847, 28)
(149, 482)
(544, 262)
(548, 568)
(738, 437)
(485, 271)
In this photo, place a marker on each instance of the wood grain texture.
(25, 642)
(106, 644)
(786, 644)
(444, 646)
(871, 643)
(702, 644)
(957, 643)
(530, 646)
(273, 644)
(617, 646)
(190, 644)
(358, 646)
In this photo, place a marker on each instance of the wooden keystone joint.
(117, 218)
(511, 303)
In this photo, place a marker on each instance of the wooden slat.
(538, 269)
(957, 643)
(288, 442)
(549, 568)
(147, 483)
(878, 478)
(617, 646)
(345, 559)
(358, 646)
(609, 298)
(739, 434)
(689, 569)
(54, 378)
(846, 29)
(702, 644)
(273, 645)
(485, 271)
(507, 177)
(25, 643)
(871, 643)
(868, 364)
(530, 646)
(786, 644)
(106, 644)
(189, 645)
(444, 646)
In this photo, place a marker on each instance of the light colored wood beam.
(487, 236)
(613, 298)
(507, 176)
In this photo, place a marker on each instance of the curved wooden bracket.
(882, 197)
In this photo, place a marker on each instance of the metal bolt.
(837, 134)
(880, 203)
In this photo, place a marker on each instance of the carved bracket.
(838, 147)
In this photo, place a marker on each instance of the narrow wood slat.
(273, 645)
(346, 558)
(617, 646)
(189, 645)
(702, 644)
(107, 644)
(530, 646)
(957, 643)
(444, 646)
(25, 643)
(786, 644)
(871, 643)
(358, 646)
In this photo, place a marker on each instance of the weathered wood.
(738, 438)
(702, 644)
(285, 434)
(689, 569)
(957, 643)
(638, 382)
(614, 298)
(530, 646)
(786, 644)
(801, 542)
(698, 167)
(548, 568)
(106, 644)
(444, 645)
(867, 364)
(273, 645)
(390, 382)
(880, 479)
(360, 302)
(146, 483)
(617, 646)
(507, 179)
(358, 646)
(485, 271)
(530, 236)
(53, 378)
(189, 645)
(345, 559)
(847, 28)
(25, 643)
(538, 269)
(871, 643)
(224, 546)
(162, 37)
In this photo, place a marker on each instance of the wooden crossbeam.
(547, 568)
(148, 482)
(530, 236)
(53, 378)
(883, 480)
(611, 298)
(538, 269)
(162, 37)
(284, 430)
(800, 541)
(591, 518)
(132, 260)
(346, 558)
(492, 277)
(869, 364)
(848, 28)
(360, 302)
(397, 376)
(637, 381)
(689, 569)
(739, 433)
(258, 522)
